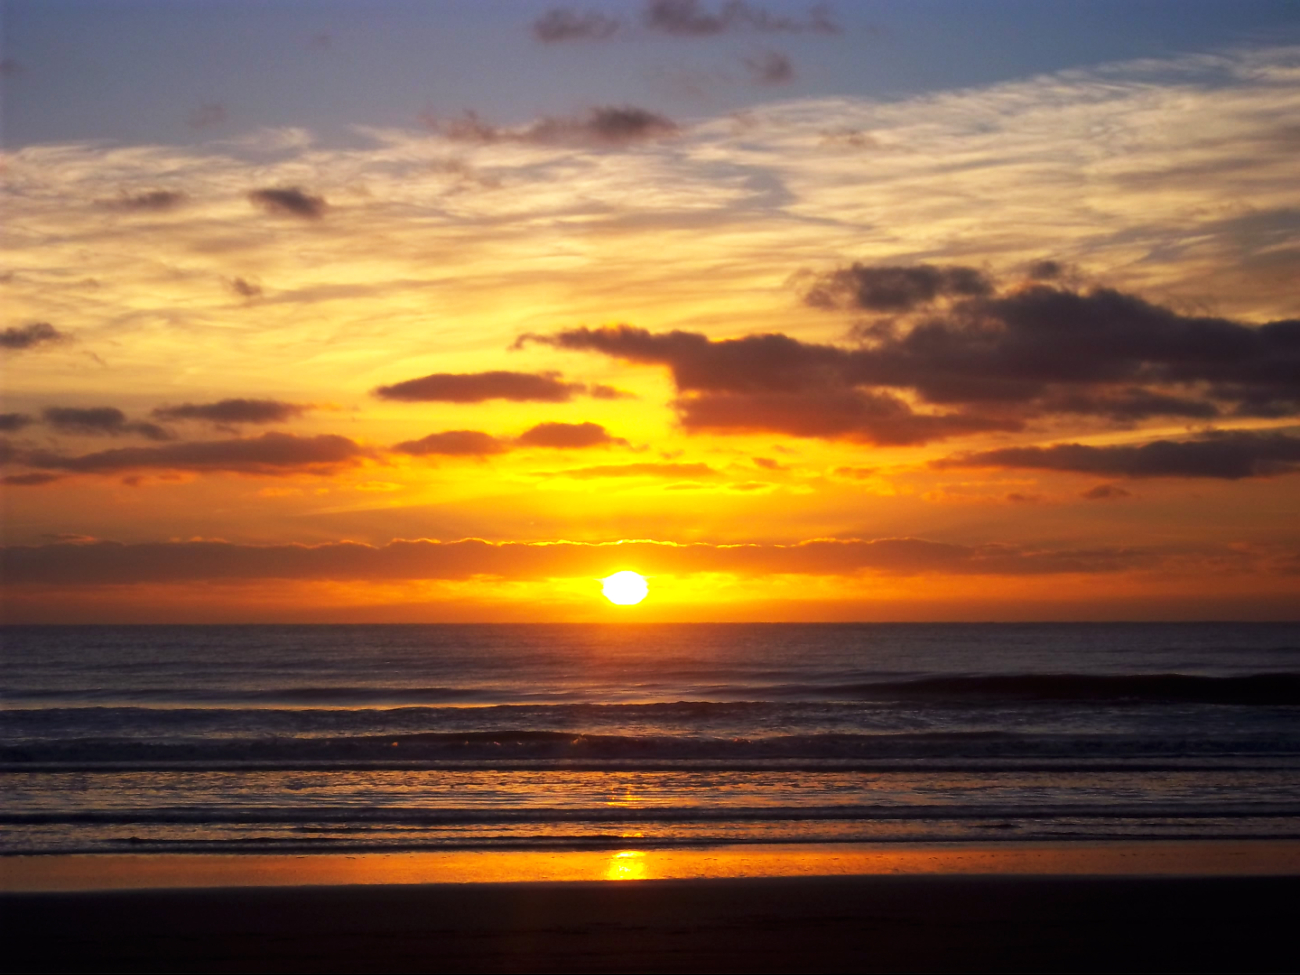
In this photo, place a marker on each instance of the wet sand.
(952, 919)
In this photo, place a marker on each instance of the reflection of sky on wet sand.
(1223, 858)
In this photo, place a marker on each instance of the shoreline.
(1133, 858)
(1139, 906)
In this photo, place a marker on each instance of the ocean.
(348, 738)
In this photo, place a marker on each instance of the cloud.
(982, 361)
(1105, 492)
(605, 127)
(30, 336)
(454, 443)
(562, 24)
(246, 288)
(34, 479)
(207, 115)
(113, 563)
(290, 201)
(11, 422)
(1230, 455)
(100, 420)
(642, 470)
(153, 200)
(478, 387)
(568, 436)
(272, 454)
(690, 18)
(770, 68)
(771, 383)
(234, 411)
(892, 288)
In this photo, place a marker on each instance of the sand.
(935, 920)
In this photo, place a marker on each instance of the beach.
(1143, 907)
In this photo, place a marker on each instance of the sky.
(384, 311)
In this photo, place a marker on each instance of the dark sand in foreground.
(909, 922)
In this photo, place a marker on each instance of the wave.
(500, 749)
(363, 816)
(1263, 689)
(1256, 689)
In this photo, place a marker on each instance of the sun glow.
(625, 588)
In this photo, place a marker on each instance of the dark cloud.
(269, 454)
(892, 288)
(980, 361)
(772, 383)
(1105, 492)
(30, 480)
(10, 422)
(599, 391)
(156, 200)
(454, 443)
(31, 335)
(690, 18)
(568, 436)
(207, 115)
(768, 464)
(246, 288)
(605, 127)
(1046, 270)
(770, 68)
(478, 387)
(1230, 455)
(234, 411)
(290, 201)
(101, 421)
(562, 24)
(113, 563)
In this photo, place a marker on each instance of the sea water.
(335, 738)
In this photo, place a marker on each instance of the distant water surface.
(316, 738)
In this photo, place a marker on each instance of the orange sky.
(1028, 350)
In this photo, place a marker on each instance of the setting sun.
(625, 588)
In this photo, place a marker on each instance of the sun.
(625, 588)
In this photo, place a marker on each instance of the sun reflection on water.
(627, 865)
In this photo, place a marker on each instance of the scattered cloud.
(604, 127)
(34, 479)
(19, 337)
(690, 18)
(562, 24)
(290, 201)
(568, 436)
(207, 115)
(151, 200)
(245, 288)
(100, 421)
(478, 387)
(642, 470)
(454, 443)
(229, 412)
(985, 361)
(271, 454)
(1105, 492)
(114, 563)
(1230, 455)
(770, 68)
(892, 288)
